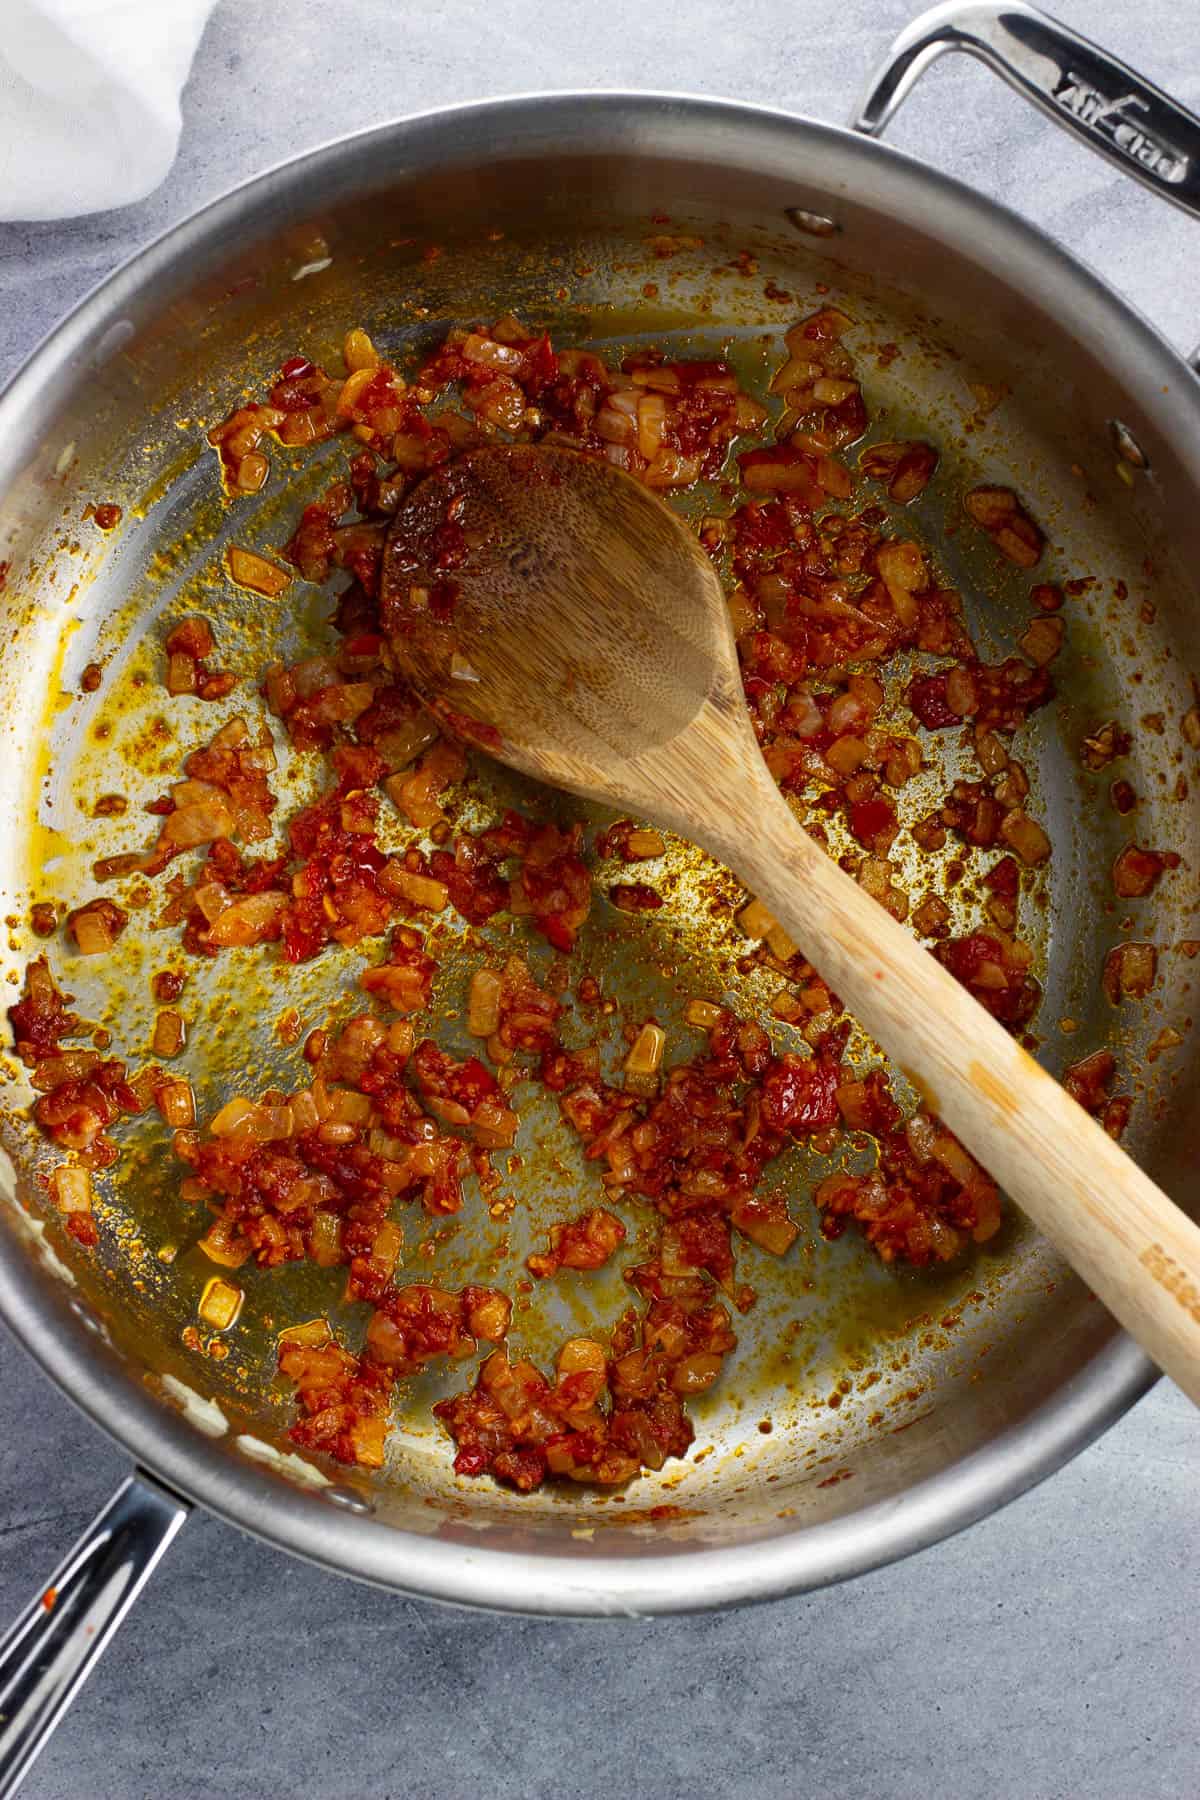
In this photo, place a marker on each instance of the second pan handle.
(1114, 110)
(52, 1648)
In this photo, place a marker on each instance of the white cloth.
(89, 100)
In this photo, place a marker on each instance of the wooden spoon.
(585, 640)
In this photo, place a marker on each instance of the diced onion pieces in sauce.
(221, 1245)
(904, 468)
(999, 512)
(97, 926)
(1136, 872)
(252, 571)
(585, 1243)
(417, 890)
(220, 1303)
(170, 1034)
(252, 919)
(176, 1103)
(1042, 641)
(72, 1189)
(1129, 971)
(483, 1003)
(702, 1013)
(757, 922)
(1024, 835)
(644, 1060)
(358, 352)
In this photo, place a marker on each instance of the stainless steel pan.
(951, 1394)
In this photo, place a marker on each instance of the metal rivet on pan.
(814, 223)
(349, 1501)
(1128, 448)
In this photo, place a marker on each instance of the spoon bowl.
(573, 627)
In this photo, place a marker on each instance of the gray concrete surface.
(1050, 1653)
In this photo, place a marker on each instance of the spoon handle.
(1137, 1251)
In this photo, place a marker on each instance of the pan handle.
(1120, 114)
(53, 1647)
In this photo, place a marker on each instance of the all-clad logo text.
(1112, 119)
(1167, 1271)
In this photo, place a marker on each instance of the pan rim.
(648, 124)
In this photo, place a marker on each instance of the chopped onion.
(778, 477)
(491, 355)
(169, 1034)
(702, 1013)
(69, 1065)
(662, 381)
(358, 352)
(695, 1373)
(252, 571)
(222, 1245)
(176, 1104)
(483, 1003)
(232, 734)
(252, 471)
(846, 754)
(1129, 971)
(1042, 641)
(181, 673)
(651, 422)
(846, 713)
(1025, 836)
(755, 920)
(251, 920)
(305, 1116)
(220, 1303)
(325, 1239)
(672, 469)
(313, 674)
(957, 1162)
(921, 1133)
(932, 915)
(198, 823)
(242, 1119)
(797, 372)
(72, 1189)
(743, 613)
(417, 890)
(834, 477)
(645, 1057)
(993, 758)
(403, 745)
(313, 1334)
(347, 1107)
(387, 1245)
(352, 388)
(831, 393)
(494, 1125)
(97, 926)
(770, 1230)
(212, 898)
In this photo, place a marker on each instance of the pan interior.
(852, 1381)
